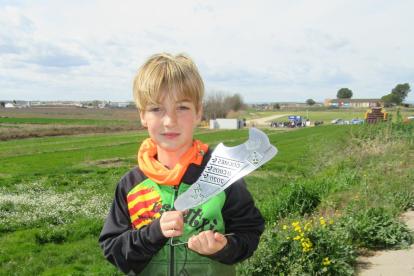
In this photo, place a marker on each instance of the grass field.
(326, 115)
(55, 121)
(330, 194)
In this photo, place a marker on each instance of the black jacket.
(130, 249)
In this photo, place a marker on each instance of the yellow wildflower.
(326, 262)
(331, 222)
(284, 226)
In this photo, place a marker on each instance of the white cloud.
(273, 50)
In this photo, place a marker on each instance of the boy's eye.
(154, 109)
(183, 107)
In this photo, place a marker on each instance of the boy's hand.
(172, 224)
(207, 242)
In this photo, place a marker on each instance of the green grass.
(56, 121)
(324, 115)
(68, 250)
(15, 147)
(359, 178)
(50, 161)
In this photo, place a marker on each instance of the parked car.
(356, 122)
(337, 121)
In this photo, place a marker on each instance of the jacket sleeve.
(127, 248)
(242, 218)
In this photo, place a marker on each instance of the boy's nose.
(170, 119)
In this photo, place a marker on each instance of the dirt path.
(390, 262)
(262, 121)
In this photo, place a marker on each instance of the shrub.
(57, 235)
(376, 229)
(313, 247)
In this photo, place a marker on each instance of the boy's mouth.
(171, 135)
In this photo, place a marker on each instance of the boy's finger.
(172, 233)
(173, 225)
(210, 239)
(194, 243)
(220, 238)
(172, 216)
(203, 240)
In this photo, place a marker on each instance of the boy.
(143, 233)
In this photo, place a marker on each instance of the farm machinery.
(375, 115)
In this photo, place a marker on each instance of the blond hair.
(164, 76)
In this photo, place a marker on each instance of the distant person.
(142, 221)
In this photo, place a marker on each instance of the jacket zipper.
(172, 247)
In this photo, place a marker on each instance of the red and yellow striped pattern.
(141, 202)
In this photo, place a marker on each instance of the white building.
(9, 105)
(226, 124)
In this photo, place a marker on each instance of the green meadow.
(331, 194)
(325, 115)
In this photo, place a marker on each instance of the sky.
(267, 51)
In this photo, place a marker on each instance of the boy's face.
(171, 124)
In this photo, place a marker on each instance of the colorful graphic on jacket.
(144, 205)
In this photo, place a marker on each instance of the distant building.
(353, 102)
(264, 106)
(122, 104)
(226, 124)
(294, 104)
(9, 105)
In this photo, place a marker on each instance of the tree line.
(217, 104)
(397, 95)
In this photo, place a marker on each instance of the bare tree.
(214, 105)
(234, 102)
(217, 104)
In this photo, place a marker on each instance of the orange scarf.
(157, 172)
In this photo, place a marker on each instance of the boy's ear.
(142, 116)
(198, 115)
